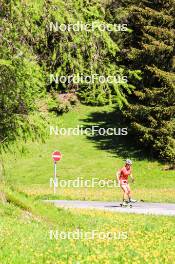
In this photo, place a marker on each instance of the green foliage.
(21, 82)
(30, 52)
(151, 108)
(84, 53)
(61, 103)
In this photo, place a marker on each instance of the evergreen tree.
(30, 51)
(151, 48)
(21, 78)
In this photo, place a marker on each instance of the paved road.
(138, 208)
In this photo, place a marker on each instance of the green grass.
(24, 236)
(26, 221)
(31, 168)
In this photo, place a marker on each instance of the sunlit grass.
(32, 168)
(24, 236)
(102, 194)
(26, 221)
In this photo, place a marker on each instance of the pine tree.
(151, 48)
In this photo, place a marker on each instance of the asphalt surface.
(137, 208)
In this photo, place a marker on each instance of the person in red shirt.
(122, 178)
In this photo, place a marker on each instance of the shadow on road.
(112, 206)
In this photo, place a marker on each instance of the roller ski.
(132, 201)
(126, 204)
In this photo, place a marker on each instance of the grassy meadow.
(26, 225)
(26, 221)
(86, 157)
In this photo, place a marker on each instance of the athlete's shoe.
(132, 201)
(125, 203)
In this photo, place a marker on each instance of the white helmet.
(129, 162)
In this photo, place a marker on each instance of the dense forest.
(131, 40)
